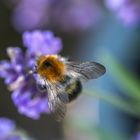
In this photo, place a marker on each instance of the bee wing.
(42, 86)
(56, 105)
(85, 70)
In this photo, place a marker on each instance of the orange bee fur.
(51, 68)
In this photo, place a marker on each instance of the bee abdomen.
(73, 90)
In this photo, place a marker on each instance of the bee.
(63, 80)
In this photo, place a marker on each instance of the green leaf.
(125, 80)
(114, 100)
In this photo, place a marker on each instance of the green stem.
(114, 100)
(128, 82)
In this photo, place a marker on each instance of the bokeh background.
(106, 31)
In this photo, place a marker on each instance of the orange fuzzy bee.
(63, 80)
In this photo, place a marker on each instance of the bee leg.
(41, 85)
(63, 97)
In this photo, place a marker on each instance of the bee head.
(50, 67)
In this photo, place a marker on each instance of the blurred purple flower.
(30, 14)
(7, 128)
(76, 15)
(26, 96)
(127, 10)
(42, 42)
(137, 136)
(67, 15)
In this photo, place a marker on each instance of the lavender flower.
(42, 42)
(137, 136)
(127, 10)
(30, 14)
(6, 126)
(67, 15)
(25, 95)
(76, 15)
(7, 130)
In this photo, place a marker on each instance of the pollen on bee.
(50, 67)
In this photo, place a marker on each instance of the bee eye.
(47, 64)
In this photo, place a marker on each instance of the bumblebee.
(63, 80)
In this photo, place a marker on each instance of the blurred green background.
(109, 107)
